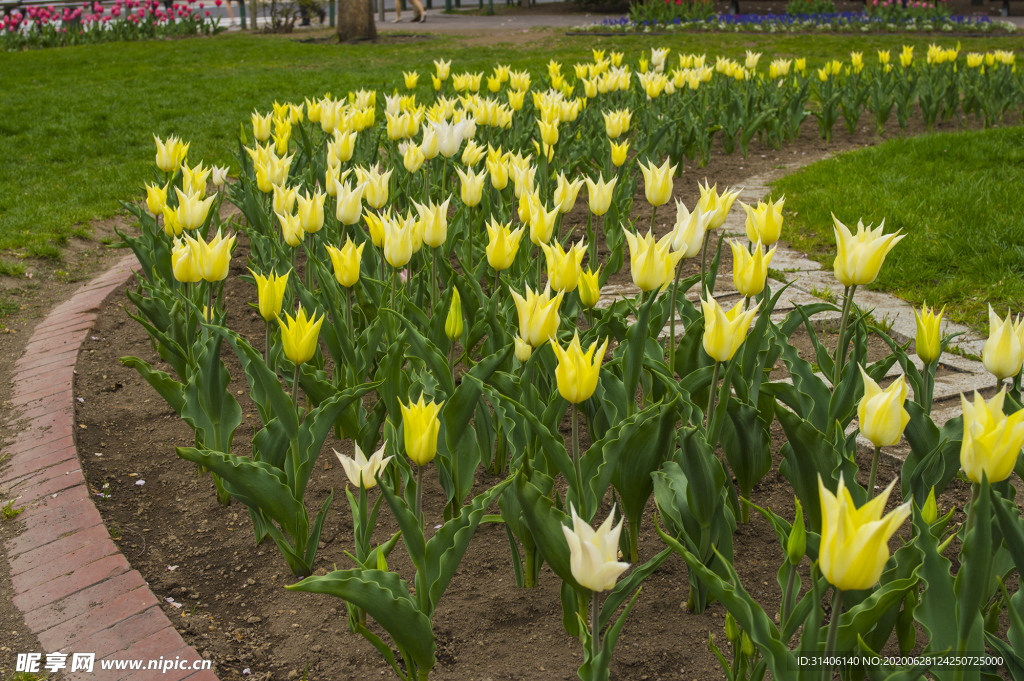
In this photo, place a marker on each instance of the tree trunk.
(355, 20)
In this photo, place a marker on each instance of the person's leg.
(398, 11)
(418, 8)
(231, 13)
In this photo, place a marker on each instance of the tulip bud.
(523, 350)
(453, 324)
(796, 545)
(930, 510)
(421, 426)
(1003, 354)
(881, 413)
(619, 152)
(929, 334)
(746, 645)
(270, 292)
(732, 632)
(590, 287)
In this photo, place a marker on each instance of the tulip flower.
(170, 154)
(214, 257)
(453, 322)
(172, 227)
(261, 126)
(860, 256)
(724, 332)
(299, 336)
(284, 199)
(156, 198)
(421, 425)
(882, 418)
(658, 183)
(566, 193)
(749, 270)
(192, 209)
(341, 147)
(411, 79)
(442, 68)
(577, 371)
(590, 287)
(710, 199)
(541, 221)
(346, 262)
(193, 180)
(184, 263)
(376, 186)
(412, 156)
(1003, 354)
(594, 555)
(471, 189)
(349, 207)
(270, 291)
(651, 264)
(548, 132)
(311, 211)
(599, 194)
(929, 334)
(220, 175)
(502, 245)
(291, 229)
(523, 351)
(619, 152)
(524, 178)
(449, 137)
(435, 222)
(688, 232)
(363, 472)
(398, 240)
(538, 315)
(764, 223)
(472, 154)
(498, 171)
(855, 541)
(564, 266)
(992, 439)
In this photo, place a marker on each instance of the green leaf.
(546, 523)
(171, 390)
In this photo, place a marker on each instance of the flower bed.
(837, 22)
(451, 347)
(38, 27)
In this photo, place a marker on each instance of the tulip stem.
(576, 449)
(654, 211)
(833, 631)
(433, 283)
(595, 626)
(841, 347)
(874, 472)
(295, 393)
(209, 306)
(348, 310)
(419, 494)
(929, 386)
(672, 323)
(703, 258)
(266, 353)
(714, 394)
(787, 600)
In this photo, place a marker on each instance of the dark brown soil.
(226, 595)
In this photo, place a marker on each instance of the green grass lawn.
(76, 124)
(955, 195)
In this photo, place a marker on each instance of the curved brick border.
(77, 591)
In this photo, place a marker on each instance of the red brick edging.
(78, 593)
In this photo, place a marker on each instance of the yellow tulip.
(616, 122)
(193, 180)
(658, 182)
(564, 266)
(376, 186)
(992, 440)
(502, 245)
(261, 126)
(171, 225)
(472, 154)
(184, 263)
(590, 287)
(498, 171)
(593, 555)
(524, 178)
(170, 154)
(724, 332)
(801, 65)
(688, 232)
(929, 334)
(192, 209)
(651, 264)
(421, 426)
(749, 270)
(291, 229)
(282, 133)
(471, 189)
(284, 199)
(214, 257)
(411, 79)
(363, 472)
(375, 228)
(619, 152)
(435, 222)
(453, 322)
(398, 240)
(346, 262)
(764, 223)
(881, 413)
(541, 220)
(412, 157)
(577, 371)
(442, 67)
(566, 193)
(599, 194)
(515, 99)
(860, 256)
(156, 198)
(1003, 355)
(548, 132)
(349, 207)
(523, 350)
(710, 199)
(538, 315)
(341, 147)
(270, 293)
(299, 336)
(855, 541)
(883, 56)
(311, 211)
